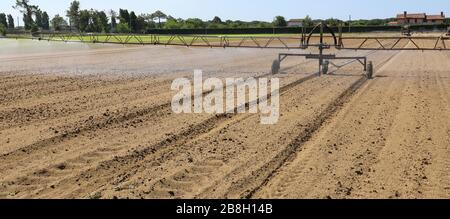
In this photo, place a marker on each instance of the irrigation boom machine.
(321, 38)
(359, 43)
(321, 45)
(406, 30)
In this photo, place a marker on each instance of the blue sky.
(248, 10)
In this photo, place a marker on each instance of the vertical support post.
(340, 36)
(365, 64)
(303, 36)
(321, 49)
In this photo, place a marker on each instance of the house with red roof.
(420, 18)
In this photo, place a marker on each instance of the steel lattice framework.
(385, 43)
(304, 41)
(321, 37)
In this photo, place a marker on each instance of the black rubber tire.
(369, 73)
(275, 67)
(325, 67)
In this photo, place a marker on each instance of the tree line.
(33, 17)
(6, 22)
(125, 21)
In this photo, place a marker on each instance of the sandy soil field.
(95, 121)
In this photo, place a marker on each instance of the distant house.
(436, 19)
(420, 18)
(295, 23)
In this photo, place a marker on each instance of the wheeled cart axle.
(324, 62)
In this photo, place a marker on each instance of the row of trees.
(86, 20)
(280, 21)
(127, 21)
(7, 21)
(124, 21)
(99, 21)
(215, 23)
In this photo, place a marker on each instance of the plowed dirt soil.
(95, 121)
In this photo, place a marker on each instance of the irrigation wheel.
(275, 67)
(369, 73)
(325, 67)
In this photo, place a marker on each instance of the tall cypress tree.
(133, 22)
(3, 20)
(74, 14)
(38, 17)
(27, 21)
(45, 21)
(10, 21)
(124, 16)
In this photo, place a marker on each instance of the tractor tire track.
(170, 144)
(173, 140)
(263, 175)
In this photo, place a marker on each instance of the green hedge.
(286, 30)
(293, 30)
